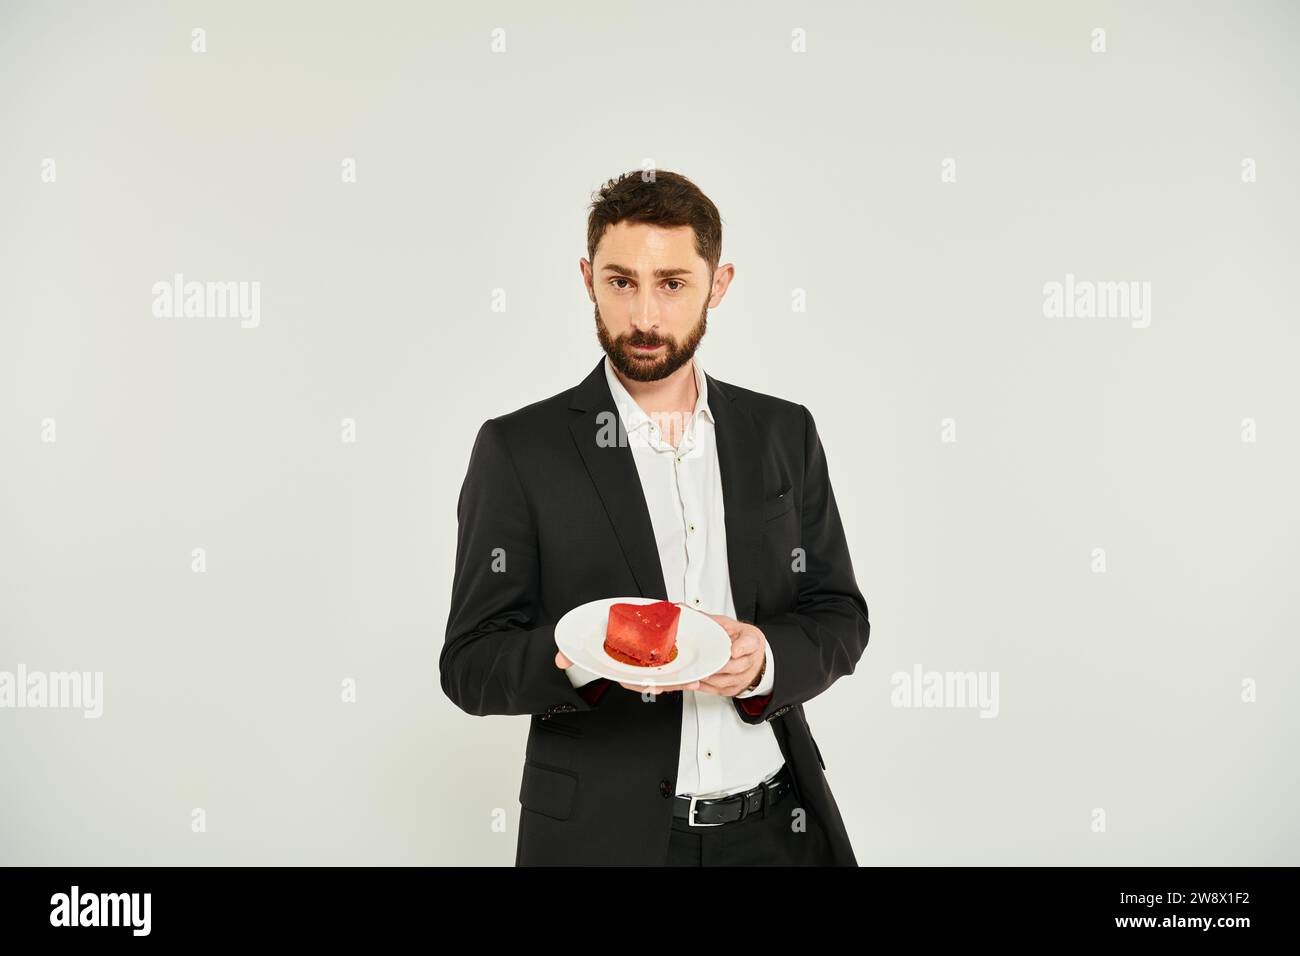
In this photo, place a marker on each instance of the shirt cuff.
(578, 676)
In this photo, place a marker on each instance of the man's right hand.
(563, 663)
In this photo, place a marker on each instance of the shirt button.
(697, 600)
(692, 527)
(708, 753)
(666, 788)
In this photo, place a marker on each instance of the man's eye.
(618, 279)
(679, 282)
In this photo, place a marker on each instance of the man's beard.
(625, 359)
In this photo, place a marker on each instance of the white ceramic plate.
(703, 647)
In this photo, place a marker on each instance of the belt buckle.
(690, 815)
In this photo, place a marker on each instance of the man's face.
(652, 293)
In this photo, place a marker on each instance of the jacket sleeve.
(499, 657)
(824, 636)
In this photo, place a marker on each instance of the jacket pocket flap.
(820, 759)
(548, 790)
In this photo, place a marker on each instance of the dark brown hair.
(670, 199)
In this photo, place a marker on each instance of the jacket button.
(666, 788)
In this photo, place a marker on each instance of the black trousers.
(778, 836)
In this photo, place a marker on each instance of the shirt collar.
(634, 416)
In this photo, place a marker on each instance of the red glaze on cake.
(642, 634)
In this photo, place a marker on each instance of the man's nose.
(645, 312)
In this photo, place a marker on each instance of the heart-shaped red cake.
(642, 634)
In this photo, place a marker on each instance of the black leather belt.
(714, 811)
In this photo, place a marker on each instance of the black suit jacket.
(551, 515)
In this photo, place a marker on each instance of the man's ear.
(722, 277)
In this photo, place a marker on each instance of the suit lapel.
(742, 493)
(613, 471)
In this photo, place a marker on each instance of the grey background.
(1119, 691)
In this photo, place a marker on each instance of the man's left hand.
(747, 650)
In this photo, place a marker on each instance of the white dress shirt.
(720, 753)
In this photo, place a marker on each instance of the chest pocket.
(548, 790)
(778, 504)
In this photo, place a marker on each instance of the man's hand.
(563, 663)
(747, 651)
